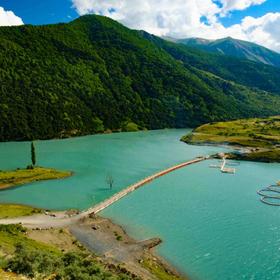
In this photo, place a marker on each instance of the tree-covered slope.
(237, 48)
(241, 71)
(94, 74)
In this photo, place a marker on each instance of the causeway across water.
(61, 219)
(106, 203)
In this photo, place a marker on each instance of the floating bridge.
(116, 197)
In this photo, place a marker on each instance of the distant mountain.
(94, 74)
(241, 71)
(237, 48)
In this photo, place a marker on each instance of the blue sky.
(41, 11)
(252, 20)
(254, 11)
(53, 11)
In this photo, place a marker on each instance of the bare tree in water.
(110, 180)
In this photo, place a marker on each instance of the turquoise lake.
(212, 224)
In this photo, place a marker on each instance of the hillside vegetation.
(55, 254)
(241, 71)
(245, 132)
(94, 74)
(37, 260)
(261, 135)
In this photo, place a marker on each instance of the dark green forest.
(94, 74)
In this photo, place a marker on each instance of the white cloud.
(263, 30)
(8, 18)
(155, 16)
(231, 5)
(188, 18)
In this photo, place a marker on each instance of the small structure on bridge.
(222, 166)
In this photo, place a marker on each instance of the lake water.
(212, 224)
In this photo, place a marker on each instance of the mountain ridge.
(94, 74)
(236, 48)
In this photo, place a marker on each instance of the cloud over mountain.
(8, 18)
(232, 5)
(188, 18)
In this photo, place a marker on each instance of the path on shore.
(61, 219)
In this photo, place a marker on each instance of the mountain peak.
(229, 38)
(236, 48)
(96, 19)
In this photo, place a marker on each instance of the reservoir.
(212, 224)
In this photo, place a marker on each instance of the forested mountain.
(94, 74)
(237, 48)
(241, 71)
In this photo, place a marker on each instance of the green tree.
(33, 154)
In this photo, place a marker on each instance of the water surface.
(212, 224)
(128, 157)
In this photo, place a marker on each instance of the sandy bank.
(103, 238)
(112, 243)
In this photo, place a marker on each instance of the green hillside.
(241, 71)
(30, 259)
(261, 136)
(257, 132)
(94, 74)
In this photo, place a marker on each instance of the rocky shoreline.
(102, 238)
(111, 242)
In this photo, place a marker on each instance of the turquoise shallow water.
(212, 224)
(129, 157)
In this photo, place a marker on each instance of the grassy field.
(261, 134)
(11, 235)
(13, 211)
(19, 177)
(245, 132)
